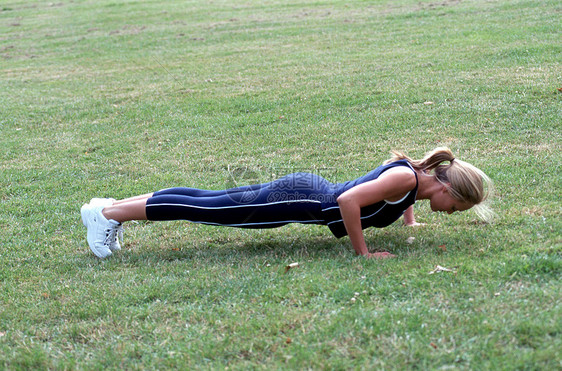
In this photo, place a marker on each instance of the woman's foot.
(101, 232)
(105, 202)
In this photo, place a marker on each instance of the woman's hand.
(380, 255)
(414, 224)
(409, 219)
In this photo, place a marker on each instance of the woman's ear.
(445, 188)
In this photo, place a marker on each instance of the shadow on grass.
(229, 251)
(274, 246)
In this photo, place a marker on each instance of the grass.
(122, 98)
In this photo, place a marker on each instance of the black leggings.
(295, 198)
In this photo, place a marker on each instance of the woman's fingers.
(381, 255)
(415, 224)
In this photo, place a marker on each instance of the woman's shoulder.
(400, 166)
(400, 173)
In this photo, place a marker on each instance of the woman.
(374, 200)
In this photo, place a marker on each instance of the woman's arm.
(391, 185)
(351, 214)
(409, 218)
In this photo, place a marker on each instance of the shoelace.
(110, 235)
(119, 232)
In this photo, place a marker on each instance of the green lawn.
(117, 98)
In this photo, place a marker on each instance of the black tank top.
(378, 215)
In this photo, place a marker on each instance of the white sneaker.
(101, 232)
(114, 245)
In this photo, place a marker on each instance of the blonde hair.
(463, 181)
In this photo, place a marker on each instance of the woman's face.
(443, 201)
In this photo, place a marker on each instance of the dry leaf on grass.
(291, 266)
(439, 268)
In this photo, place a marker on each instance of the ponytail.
(431, 160)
